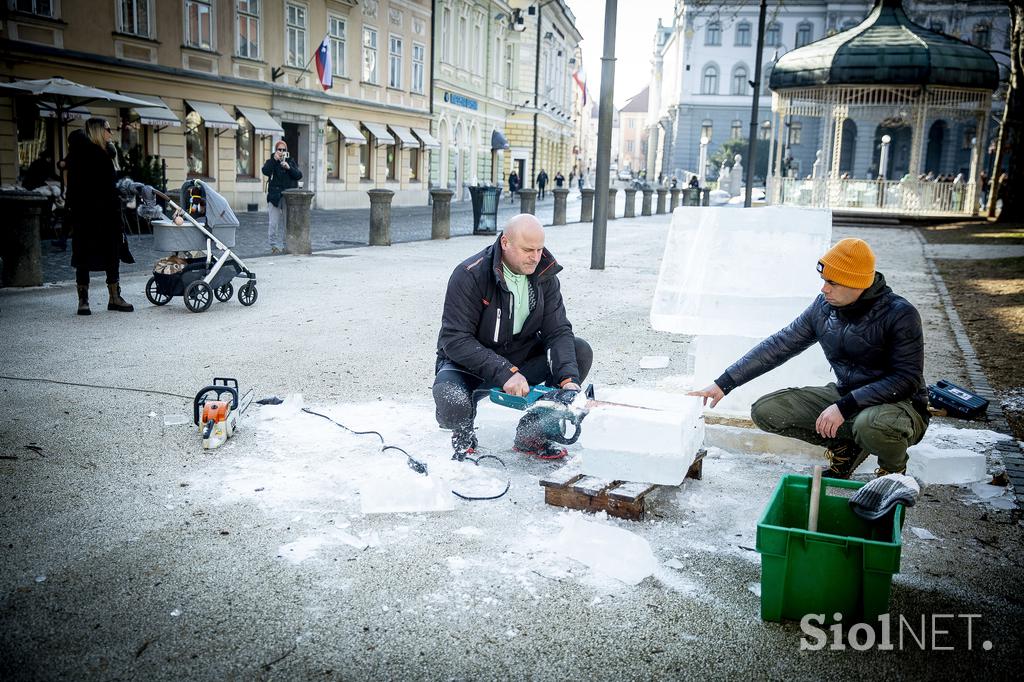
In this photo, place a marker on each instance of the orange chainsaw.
(215, 411)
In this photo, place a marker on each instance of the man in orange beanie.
(873, 340)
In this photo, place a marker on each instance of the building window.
(463, 43)
(199, 24)
(366, 154)
(245, 149)
(335, 152)
(446, 31)
(510, 60)
(743, 35)
(629, 146)
(41, 8)
(247, 21)
(478, 44)
(295, 34)
(982, 36)
(736, 131)
(709, 82)
(370, 55)
(196, 149)
(414, 164)
(392, 159)
(336, 30)
(394, 62)
(632, 123)
(133, 17)
(740, 86)
(803, 34)
(764, 132)
(796, 130)
(706, 128)
(773, 35)
(713, 34)
(419, 53)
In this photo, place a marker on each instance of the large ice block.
(746, 272)
(638, 444)
(711, 355)
(606, 549)
(955, 466)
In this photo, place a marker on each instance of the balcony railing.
(908, 197)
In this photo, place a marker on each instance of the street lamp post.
(752, 143)
(702, 159)
(883, 158)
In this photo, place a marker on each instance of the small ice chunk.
(40, 578)
(674, 563)
(654, 362)
(470, 531)
(606, 549)
(152, 414)
(755, 588)
(404, 492)
(176, 612)
(957, 466)
(986, 491)
(175, 419)
(923, 533)
(1004, 503)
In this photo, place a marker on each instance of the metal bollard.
(380, 216)
(558, 217)
(528, 201)
(441, 219)
(20, 248)
(296, 227)
(587, 205)
(661, 201)
(612, 192)
(630, 211)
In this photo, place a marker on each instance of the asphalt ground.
(129, 552)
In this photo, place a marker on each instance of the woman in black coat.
(95, 212)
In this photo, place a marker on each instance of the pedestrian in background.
(94, 211)
(559, 179)
(284, 174)
(542, 181)
(513, 186)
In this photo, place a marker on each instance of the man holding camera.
(283, 174)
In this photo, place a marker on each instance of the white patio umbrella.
(60, 96)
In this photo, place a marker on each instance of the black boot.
(116, 302)
(844, 459)
(83, 300)
(463, 443)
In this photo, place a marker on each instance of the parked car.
(625, 174)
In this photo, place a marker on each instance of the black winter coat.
(93, 206)
(476, 324)
(875, 346)
(280, 178)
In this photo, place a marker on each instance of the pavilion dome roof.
(887, 48)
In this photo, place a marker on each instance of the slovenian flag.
(323, 64)
(581, 80)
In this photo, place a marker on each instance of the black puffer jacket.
(280, 178)
(875, 346)
(476, 325)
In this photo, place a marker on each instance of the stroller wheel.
(154, 295)
(224, 292)
(198, 296)
(247, 294)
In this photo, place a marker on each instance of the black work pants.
(113, 275)
(454, 386)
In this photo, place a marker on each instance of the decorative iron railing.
(908, 197)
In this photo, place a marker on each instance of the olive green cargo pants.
(882, 430)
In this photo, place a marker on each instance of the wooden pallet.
(567, 487)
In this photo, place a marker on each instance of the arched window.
(709, 81)
(982, 36)
(736, 131)
(773, 35)
(713, 34)
(740, 86)
(803, 33)
(706, 128)
(743, 34)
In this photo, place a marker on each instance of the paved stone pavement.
(329, 230)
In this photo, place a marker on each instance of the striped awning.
(348, 130)
(379, 132)
(213, 115)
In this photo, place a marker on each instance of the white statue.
(736, 185)
(816, 168)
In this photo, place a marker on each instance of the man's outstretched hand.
(517, 385)
(712, 393)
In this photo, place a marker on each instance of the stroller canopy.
(215, 207)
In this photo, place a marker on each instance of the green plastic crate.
(845, 567)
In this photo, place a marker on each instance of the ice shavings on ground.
(612, 551)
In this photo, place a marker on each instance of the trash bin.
(19, 240)
(485, 209)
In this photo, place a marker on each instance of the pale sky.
(636, 21)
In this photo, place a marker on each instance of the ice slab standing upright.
(744, 272)
(645, 445)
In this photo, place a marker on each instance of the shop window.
(414, 164)
(245, 149)
(335, 152)
(366, 155)
(196, 146)
(392, 159)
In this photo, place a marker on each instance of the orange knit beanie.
(850, 263)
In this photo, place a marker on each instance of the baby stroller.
(211, 225)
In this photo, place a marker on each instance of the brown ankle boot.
(83, 300)
(116, 302)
